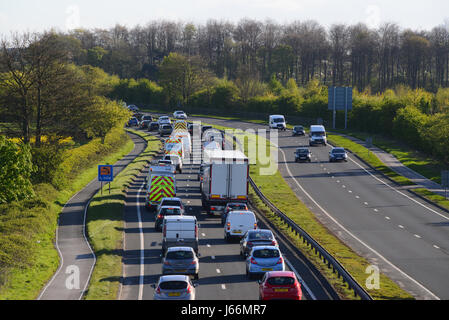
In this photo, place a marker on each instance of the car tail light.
(193, 262)
(274, 243)
(229, 226)
(212, 208)
(253, 261)
(250, 244)
(196, 231)
(255, 226)
(189, 288)
(167, 263)
(158, 290)
(159, 216)
(280, 260)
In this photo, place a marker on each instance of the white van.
(317, 135)
(179, 231)
(277, 122)
(238, 223)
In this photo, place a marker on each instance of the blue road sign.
(105, 173)
(340, 98)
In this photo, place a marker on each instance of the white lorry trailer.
(225, 179)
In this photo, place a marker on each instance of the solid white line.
(57, 246)
(303, 284)
(90, 248)
(350, 233)
(422, 205)
(142, 245)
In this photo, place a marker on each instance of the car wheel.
(197, 276)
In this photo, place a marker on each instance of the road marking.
(401, 226)
(343, 186)
(436, 247)
(350, 191)
(203, 234)
(388, 218)
(303, 284)
(338, 181)
(418, 236)
(208, 245)
(376, 210)
(218, 271)
(142, 246)
(212, 257)
(357, 197)
(223, 287)
(366, 203)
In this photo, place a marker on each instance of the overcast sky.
(38, 15)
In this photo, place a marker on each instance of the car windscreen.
(302, 151)
(338, 151)
(167, 127)
(318, 134)
(299, 128)
(173, 203)
(170, 211)
(266, 253)
(278, 120)
(260, 235)
(281, 281)
(237, 207)
(179, 255)
(173, 285)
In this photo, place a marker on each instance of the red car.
(281, 285)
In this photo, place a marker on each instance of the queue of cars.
(180, 244)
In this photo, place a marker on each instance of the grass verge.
(105, 226)
(26, 282)
(277, 190)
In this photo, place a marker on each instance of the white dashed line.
(436, 247)
(401, 226)
(218, 271)
(223, 287)
(357, 197)
(208, 245)
(388, 218)
(418, 236)
(350, 191)
(343, 186)
(203, 234)
(376, 210)
(366, 203)
(212, 257)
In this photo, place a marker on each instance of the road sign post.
(340, 98)
(105, 174)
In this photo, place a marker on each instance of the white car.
(133, 108)
(164, 120)
(180, 115)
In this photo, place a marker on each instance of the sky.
(64, 15)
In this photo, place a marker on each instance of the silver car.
(174, 287)
(181, 260)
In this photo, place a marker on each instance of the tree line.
(342, 55)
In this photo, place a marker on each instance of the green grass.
(276, 189)
(440, 200)
(26, 283)
(105, 226)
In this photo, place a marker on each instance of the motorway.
(407, 238)
(222, 270)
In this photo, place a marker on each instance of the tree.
(16, 170)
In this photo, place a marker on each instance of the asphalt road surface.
(222, 271)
